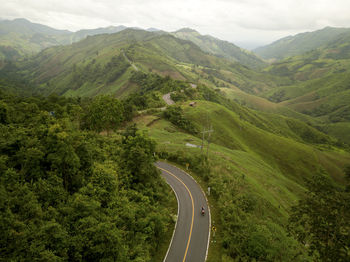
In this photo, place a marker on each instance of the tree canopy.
(73, 195)
(321, 220)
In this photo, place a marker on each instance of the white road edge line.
(177, 218)
(206, 253)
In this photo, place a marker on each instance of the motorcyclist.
(202, 210)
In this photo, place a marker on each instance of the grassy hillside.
(320, 83)
(220, 48)
(264, 105)
(256, 174)
(57, 69)
(300, 43)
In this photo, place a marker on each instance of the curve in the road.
(191, 235)
(189, 192)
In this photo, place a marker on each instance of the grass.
(320, 81)
(163, 54)
(340, 130)
(263, 105)
(252, 162)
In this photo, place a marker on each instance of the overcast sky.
(246, 23)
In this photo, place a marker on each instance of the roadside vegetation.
(70, 194)
(257, 168)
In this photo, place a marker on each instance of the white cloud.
(259, 21)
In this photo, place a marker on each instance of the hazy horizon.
(246, 23)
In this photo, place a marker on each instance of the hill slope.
(221, 48)
(105, 64)
(258, 170)
(300, 43)
(320, 83)
(319, 76)
(21, 37)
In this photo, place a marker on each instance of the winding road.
(190, 240)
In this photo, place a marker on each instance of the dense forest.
(68, 193)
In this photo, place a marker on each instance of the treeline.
(155, 82)
(70, 194)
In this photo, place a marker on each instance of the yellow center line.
(189, 192)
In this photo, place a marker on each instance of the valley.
(85, 115)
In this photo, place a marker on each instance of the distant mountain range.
(300, 43)
(20, 37)
(105, 63)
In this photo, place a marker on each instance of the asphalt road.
(190, 239)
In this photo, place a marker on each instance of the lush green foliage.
(320, 84)
(70, 195)
(104, 113)
(155, 82)
(321, 221)
(256, 167)
(81, 69)
(175, 115)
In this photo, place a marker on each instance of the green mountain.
(25, 27)
(20, 37)
(320, 83)
(313, 84)
(257, 171)
(105, 64)
(300, 43)
(81, 34)
(220, 48)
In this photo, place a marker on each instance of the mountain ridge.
(299, 43)
(221, 48)
(149, 52)
(34, 40)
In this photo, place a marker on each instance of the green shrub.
(175, 115)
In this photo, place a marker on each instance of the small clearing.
(167, 99)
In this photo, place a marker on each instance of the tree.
(64, 192)
(321, 221)
(347, 177)
(176, 116)
(138, 156)
(4, 119)
(104, 113)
